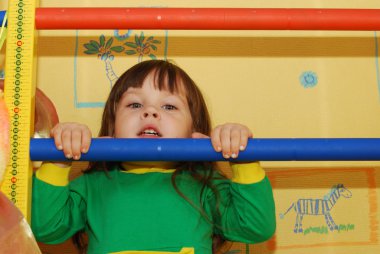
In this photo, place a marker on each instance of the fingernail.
(233, 155)
(59, 147)
(219, 149)
(84, 150)
(242, 148)
(69, 156)
(76, 157)
(226, 155)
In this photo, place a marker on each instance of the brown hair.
(170, 77)
(167, 76)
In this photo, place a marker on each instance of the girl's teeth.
(150, 132)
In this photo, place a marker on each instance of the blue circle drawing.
(308, 79)
(122, 37)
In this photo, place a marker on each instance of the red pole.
(208, 19)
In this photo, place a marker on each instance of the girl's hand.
(229, 138)
(73, 138)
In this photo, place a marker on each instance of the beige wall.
(262, 67)
(253, 77)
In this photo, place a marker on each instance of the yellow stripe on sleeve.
(247, 173)
(53, 174)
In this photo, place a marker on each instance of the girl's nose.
(150, 112)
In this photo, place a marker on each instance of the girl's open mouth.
(149, 132)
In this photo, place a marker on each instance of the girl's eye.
(169, 107)
(134, 105)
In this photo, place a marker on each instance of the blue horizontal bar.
(2, 15)
(266, 149)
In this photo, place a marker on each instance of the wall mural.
(318, 207)
(108, 51)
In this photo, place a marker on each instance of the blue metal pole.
(266, 149)
(2, 15)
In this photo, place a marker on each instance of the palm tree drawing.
(104, 51)
(142, 46)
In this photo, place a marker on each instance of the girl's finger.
(76, 143)
(235, 141)
(86, 140)
(225, 139)
(215, 139)
(66, 143)
(245, 135)
(56, 133)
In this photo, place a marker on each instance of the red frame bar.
(208, 19)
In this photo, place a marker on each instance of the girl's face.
(147, 112)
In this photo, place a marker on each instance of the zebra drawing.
(318, 207)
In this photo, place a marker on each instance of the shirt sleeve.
(53, 174)
(57, 205)
(246, 206)
(247, 173)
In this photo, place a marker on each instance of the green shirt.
(142, 211)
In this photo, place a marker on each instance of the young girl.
(154, 207)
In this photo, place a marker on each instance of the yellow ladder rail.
(19, 94)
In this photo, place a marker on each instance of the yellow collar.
(143, 167)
